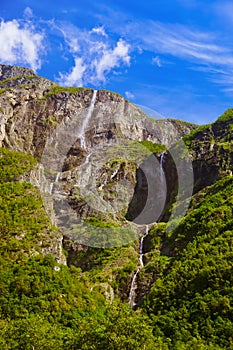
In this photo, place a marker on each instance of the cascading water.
(87, 158)
(141, 246)
(161, 166)
(132, 293)
(163, 185)
(86, 120)
(133, 288)
(52, 183)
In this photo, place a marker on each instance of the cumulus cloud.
(20, 44)
(94, 55)
(75, 77)
(111, 58)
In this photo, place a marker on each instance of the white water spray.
(132, 293)
(86, 120)
(161, 167)
(162, 180)
(133, 288)
(88, 158)
(141, 246)
(52, 183)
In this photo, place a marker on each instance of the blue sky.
(173, 57)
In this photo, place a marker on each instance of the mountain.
(112, 225)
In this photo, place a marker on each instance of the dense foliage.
(44, 305)
(14, 164)
(191, 301)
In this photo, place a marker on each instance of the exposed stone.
(40, 118)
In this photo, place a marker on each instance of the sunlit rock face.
(37, 115)
(93, 164)
(92, 161)
(32, 107)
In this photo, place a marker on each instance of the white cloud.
(156, 60)
(129, 95)
(99, 31)
(74, 46)
(75, 77)
(20, 44)
(210, 52)
(182, 42)
(95, 56)
(111, 58)
(28, 12)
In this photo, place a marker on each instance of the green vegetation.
(112, 93)
(191, 300)
(226, 116)
(14, 164)
(4, 90)
(49, 120)
(182, 122)
(29, 77)
(186, 282)
(44, 305)
(48, 309)
(57, 89)
(153, 147)
(194, 133)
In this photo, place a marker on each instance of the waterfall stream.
(161, 167)
(52, 183)
(133, 288)
(86, 120)
(141, 246)
(163, 184)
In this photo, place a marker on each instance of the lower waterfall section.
(133, 287)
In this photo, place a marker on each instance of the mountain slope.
(191, 297)
(67, 287)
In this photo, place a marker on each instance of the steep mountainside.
(32, 107)
(99, 240)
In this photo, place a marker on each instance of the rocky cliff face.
(89, 146)
(212, 151)
(50, 122)
(96, 153)
(32, 107)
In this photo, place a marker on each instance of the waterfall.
(141, 246)
(161, 167)
(52, 183)
(133, 288)
(132, 293)
(86, 120)
(57, 177)
(87, 158)
(163, 184)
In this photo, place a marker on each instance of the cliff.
(101, 207)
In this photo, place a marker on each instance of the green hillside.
(184, 295)
(44, 305)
